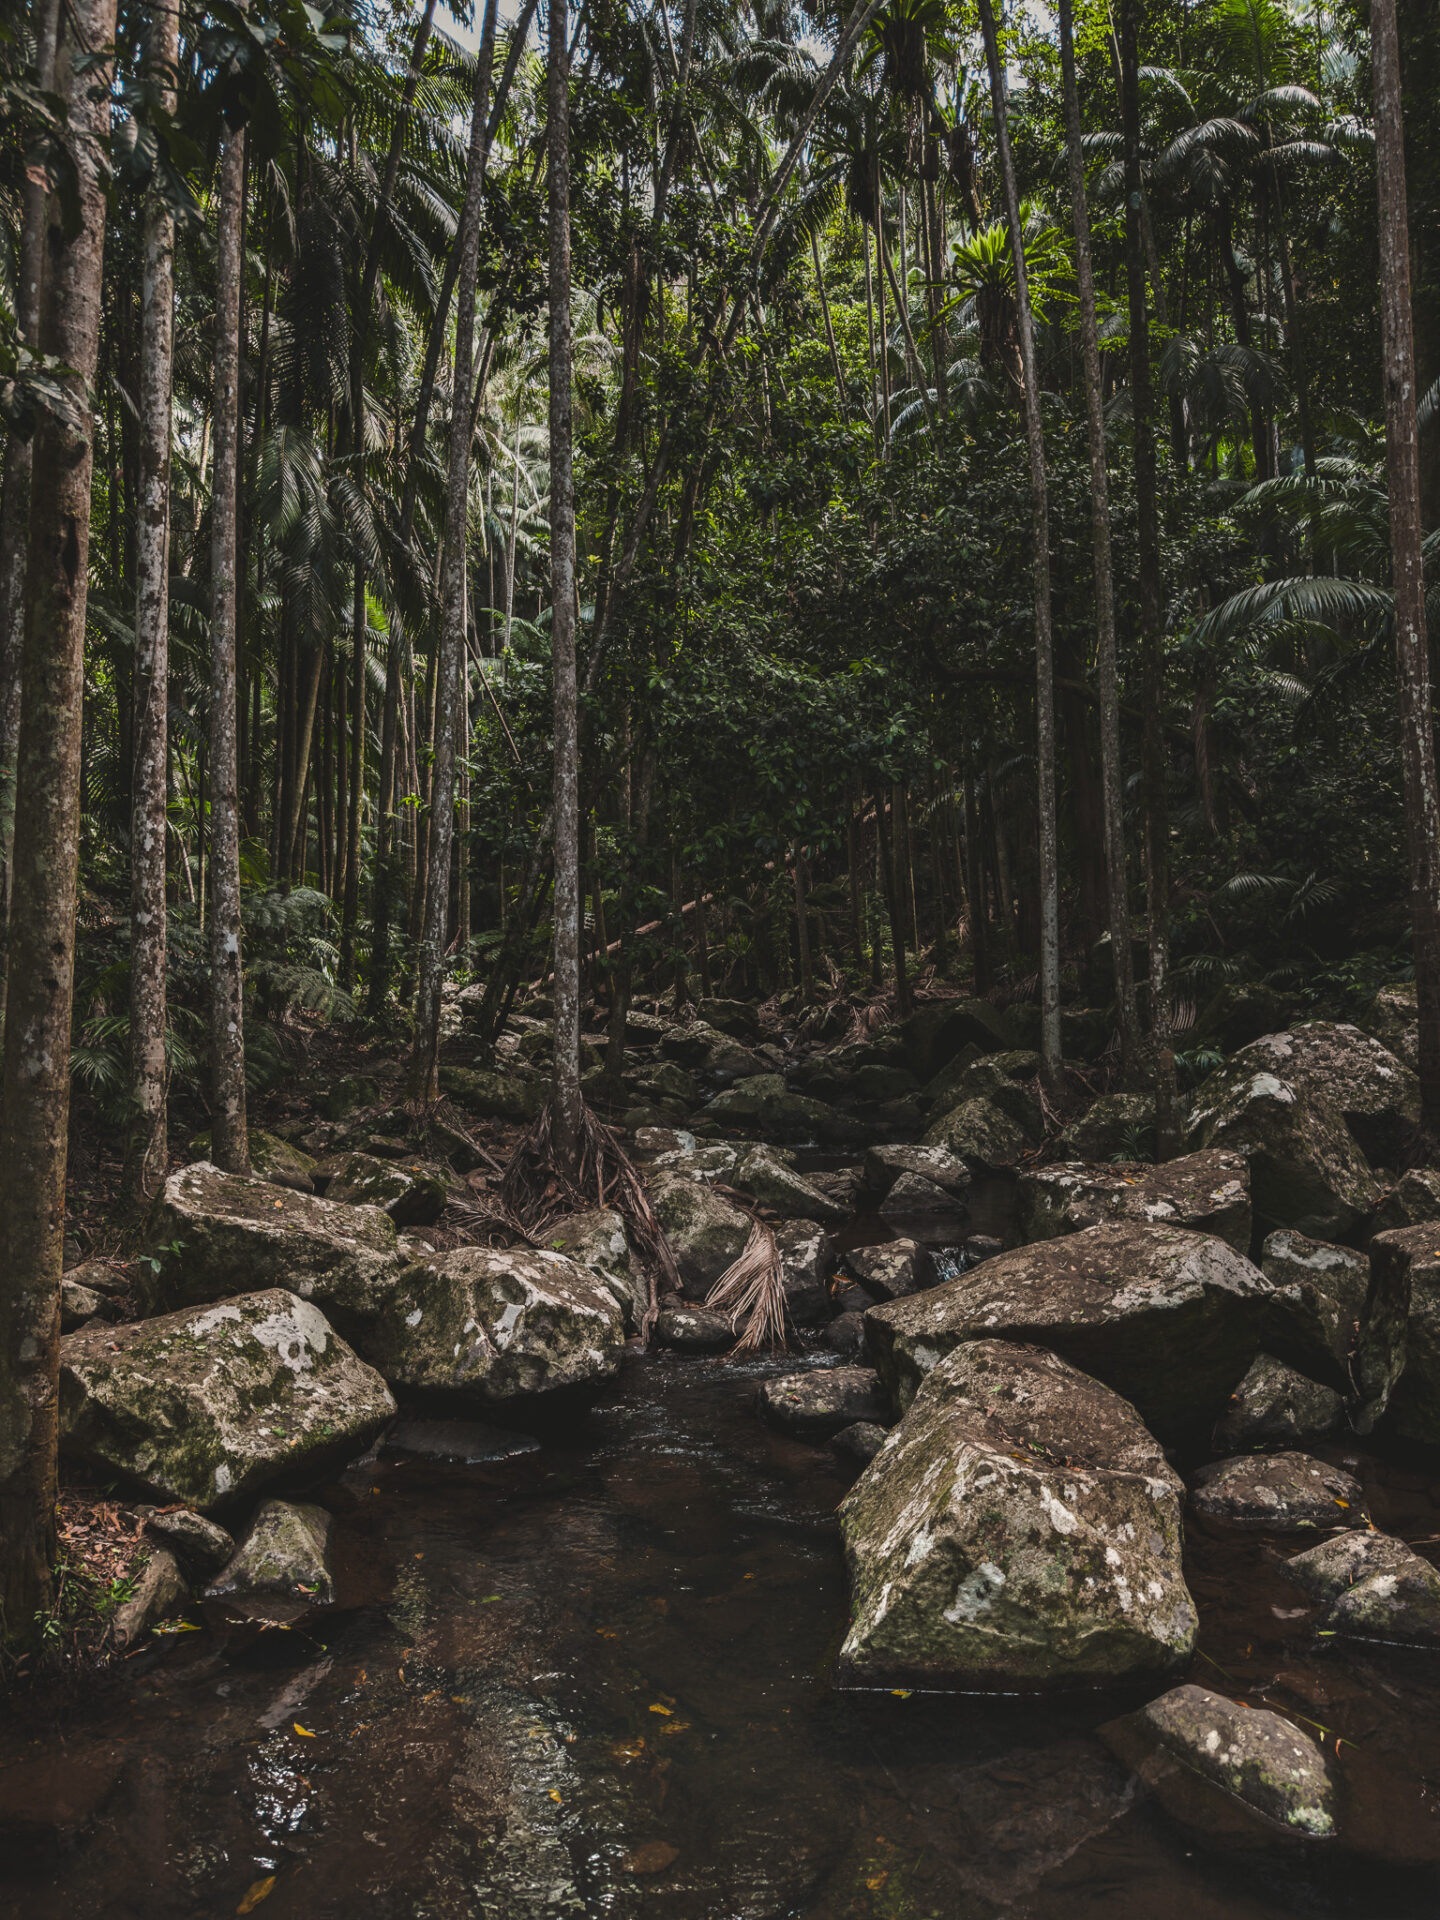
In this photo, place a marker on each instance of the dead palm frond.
(752, 1289)
(536, 1192)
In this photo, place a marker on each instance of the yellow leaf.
(304, 1732)
(657, 1708)
(555, 1795)
(902, 1693)
(261, 1890)
(1342, 1503)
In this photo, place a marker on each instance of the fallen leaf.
(902, 1693)
(304, 1732)
(261, 1890)
(555, 1796)
(657, 1708)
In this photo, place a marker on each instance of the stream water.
(595, 1679)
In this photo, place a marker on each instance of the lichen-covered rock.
(1406, 1265)
(1376, 1094)
(77, 1303)
(1169, 1319)
(1373, 1587)
(652, 1141)
(764, 1176)
(597, 1240)
(1306, 1171)
(982, 1134)
(1327, 1571)
(1116, 1127)
(735, 1017)
(913, 1197)
(1413, 1201)
(860, 1442)
(1278, 1492)
(664, 1082)
(804, 1249)
(1393, 1018)
(161, 1593)
(201, 1546)
(1207, 1192)
(885, 1165)
(494, 1095)
(707, 1232)
(279, 1161)
(1274, 1406)
(823, 1400)
(705, 1049)
(713, 1163)
(280, 1571)
(218, 1234)
(693, 1330)
(1020, 1528)
(488, 1325)
(1268, 1765)
(1340, 1318)
(892, 1269)
(413, 1194)
(347, 1095)
(208, 1405)
(763, 1105)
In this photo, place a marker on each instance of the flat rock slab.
(816, 1404)
(1278, 1493)
(1274, 1406)
(1169, 1319)
(209, 1405)
(893, 1269)
(460, 1443)
(885, 1165)
(693, 1330)
(1207, 1192)
(1373, 1586)
(1020, 1528)
(1267, 1766)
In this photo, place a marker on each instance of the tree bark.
(1417, 738)
(1052, 1066)
(425, 1056)
(1107, 670)
(34, 1119)
(230, 1146)
(146, 1144)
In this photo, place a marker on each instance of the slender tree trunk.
(1152, 766)
(146, 1141)
(350, 911)
(975, 889)
(890, 886)
(802, 930)
(230, 1147)
(1052, 1067)
(1111, 767)
(1417, 737)
(829, 327)
(425, 1057)
(292, 832)
(34, 1117)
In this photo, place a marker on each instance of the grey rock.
(1208, 1192)
(412, 1193)
(892, 1269)
(161, 1593)
(1339, 1563)
(913, 1197)
(804, 1249)
(1276, 1407)
(763, 1105)
(768, 1181)
(656, 1140)
(1278, 1492)
(818, 1403)
(713, 1164)
(1306, 1171)
(280, 1571)
(693, 1330)
(1020, 1528)
(1339, 1317)
(1411, 1202)
(1373, 1587)
(1113, 1128)
(201, 1546)
(279, 1161)
(1406, 1267)
(465, 1443)
(77, 1303)
(346, 1095)
(885, 1165)
(492, 1094)
(596, 1240)
(1393, 1018)
(983, 1135)
(707, 1232)
(860, 1442)
(735, 1017)
(845, 1335)
(874, 1084)
(704, 1049)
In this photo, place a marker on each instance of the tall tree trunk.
(350, 909)
(1417, 737)
(1052, 1067)
(890, 887)
(567, 1101)
(1111, 768)
(34, 1118)
(146, 1141)
(1152, 752)
(802, 930)
(425, 1057)
(230, 1147)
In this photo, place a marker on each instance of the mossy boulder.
(280, 1571)
(492, 1093)
(487, 1325)
(704, 1049)
(707, 1232)
(1207, 1192)
(735, 1017)
(1117, 1126)
(595, 1239)
(218, 1233)
(1339, 1317)
(412, 1193)
(1393, 1018)
(1286, 1492)
(1167, 1318)
(1020, 1528)
(1406, 1264)
(985, 1133)
(761, 1104)
(823, 1400)
(347, 1095)
(765, 1177)
(1373, 1587)
(1274, 1406)
(271, 1158)
(208, 1405)
(1413, 1201)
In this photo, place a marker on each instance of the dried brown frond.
(752, 1289)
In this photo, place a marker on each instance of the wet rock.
(1276, 1407)
(704, 1049)
(413, 1194)
(981, 1246)
(201, 1546)
(860, 1442)
(804, 1249)
(217, 1234)
(764, 1105)
(818, 1403)
(161, 1593)
(492, 1094)
(764, 1176)
(464, 1443)
(1412, 1202)
(280, 1571)
(494, 1324)
(893, 1269)
(1327, 1571)
(77, 1303)
(983, 1135)
(208, 1405)
(1119, 1126)
(845, 1335)
(1279, 1492)
(1339, 1317)
(1207, 1192)
(1306, 1171)
(1393, 1018)
(1261, 1759)
(937, 1030)
(1372, 1586)
(707, 1232)
(657, 1140)
(692, 1330)
(1406, 1265)
(885, 1165)
(596, 1240)
(58, 1793)
(1169, 1319)
(1021, 1528)
(913, 1197)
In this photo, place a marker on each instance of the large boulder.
(937, 1030)
(1278, 1493)
(763, 1105)
(1020, 1528)
(987, 1133)
(735, 1017)
(412, 1193)
(1207, 1192)
(1274, 1406)
(885, 1165)
(705, 1049)
(1393, 1018)
(596, 1240)
(1169, 1319)
(1406, 1265)
(208, 1405)
(1117, 1126)
(892, 1269)
(1376, 1093)
(488, 1325)
(1411, 1202)
(492, 1094)
(804, 1249)
(1340, 1317)
(707, 1232)
(1305, 1169)
(279, 1161)
(766, 1177)
(217, 1234)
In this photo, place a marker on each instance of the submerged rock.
(1279, 1492)
(1169, 1319)
(208, 1405)
(280, 1571)
(1208, 1192)
(1373, 1587)
(493, 1324)
(1265, 1763)
(824, 1400)
(1274, 1406)
(1020, 1528)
